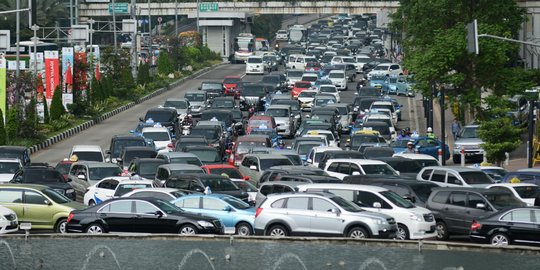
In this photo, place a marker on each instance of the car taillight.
(170, 145)
(258, 212)
(70, 216)
(475, 225)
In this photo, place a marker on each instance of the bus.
(244, 46)
(26, 47)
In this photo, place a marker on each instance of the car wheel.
(357, 233)
(95, 228)
(187, 230)
(61, 226)
(277, 231)
(402, 232)
(442, 231)
(499, 239)
(91, 203)
(244, 229)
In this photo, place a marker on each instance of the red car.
(313, 66)
(230, 83)
(243, 145)
(257, 121)
(222, 169)
(299, 87)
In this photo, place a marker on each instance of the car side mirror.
(481, 206)
(398, 173)
(410, 198)
(158, 213)
(377, 205)
(227, 208)
(253, 167)
(355, 173)
(81, 176)
(108, 152)
(335, 211)
(47, 202)
(141, 119)
(199, 189)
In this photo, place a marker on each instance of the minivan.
(254, 65)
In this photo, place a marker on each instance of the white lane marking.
(410, 111)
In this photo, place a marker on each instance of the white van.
(255, 65)
(413, 222)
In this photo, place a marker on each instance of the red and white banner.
(52, 73)
(80, 78)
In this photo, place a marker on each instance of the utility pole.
(114, 23)
(176, 18)
(93, 72)
(198, 30)
(443, 127)
(134, 57)
(18, 39)
(150, 31)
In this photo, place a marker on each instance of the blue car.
(237, 216)
(423, 145)
(378, 82)
(271, 132)
(390, 85)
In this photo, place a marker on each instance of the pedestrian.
(456, 128)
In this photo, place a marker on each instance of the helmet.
(429, 129)
(281, 142)
(189, 115)
(410, 143)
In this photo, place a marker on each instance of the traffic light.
(472, 37)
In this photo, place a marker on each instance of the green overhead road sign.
(208, 7)
(119, 8)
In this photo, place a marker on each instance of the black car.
(145, 167)
(167, 117)
(184, 141)
(252, 96)
(227, 103)
(118, 142)
(310, 178)
(276, 172)
(44, 175)
(213, 89)
(131, 152)
(207, 154)
(213, 135)
(140, 215)
(510, 226)
(198, 182)
(19, 152)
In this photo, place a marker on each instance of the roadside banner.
(67, 76)
(52, 74)
(80, 72)
(40, 99)
(3, 67)
(37, 62)
(96, 57)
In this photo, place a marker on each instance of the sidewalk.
(518, 158)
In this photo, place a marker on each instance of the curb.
(72, 131)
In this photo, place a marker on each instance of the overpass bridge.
(87, 10)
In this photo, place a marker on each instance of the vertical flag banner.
(52, 74)
(40, 98)
(67, 76)
(3, 67)
(94, 56)
(38, 62)
(80, 70)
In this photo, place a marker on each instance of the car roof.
(24, 186)
(279, 106)
(155, 129)
(512, 185)
(288, 183)
(178, 167)
(219, 166)
(86, 147)
(95, 164)
(484, 191)
(357, 160)
(266, 156)
(455, 168)
(343, 186)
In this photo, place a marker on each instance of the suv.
(470, 142)
(320, 214)
(199, 182)
(118, 142)
(167, 117)
(253, 165)
(275, 187)
(285, 120)
(343, 167)
(47, 176)
(454, 176)
(145, 167)
(8, 168)
(19, 152)
(455, 208)
(86, 173)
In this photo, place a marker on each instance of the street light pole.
(134, 57)
(93, 72)
(198, 30)
(176, 18)
(150, 50)
(35, 39)
(114, 23)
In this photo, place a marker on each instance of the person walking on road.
(456, 128)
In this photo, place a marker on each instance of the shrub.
(3, 136)
(12, 124)
(164, 66)
(57, 108)
(143, 76)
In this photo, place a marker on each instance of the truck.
(297, 34)
(244, 47)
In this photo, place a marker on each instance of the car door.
(298, 213)
(325, 219)
(473, 201)
(118, 216)
(214, 207)
(105, 190)
(429, 146)
(439, 177)
(457, 212)
(38, 210)
(79, 185)
(12, 198)
(522, 225)
(148, 221)
(245, 168)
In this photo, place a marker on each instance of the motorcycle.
(186, 130)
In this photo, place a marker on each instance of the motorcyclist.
(430, 133)
(188, 120)
(281, 145)
(410, 148)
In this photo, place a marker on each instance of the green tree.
(143, 76)
(12, 125)
(3, 135)
(28, 127)
(434, 43)
(500, 137)
(57, 108)
(46, 115)
(164, 66)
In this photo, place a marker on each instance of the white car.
(330, 138)
(306, 98)
(166, 194)
(8, 220)
(330, 89)
(390, 69)
(8, 167)
(113, 187)
(525, 192)
(339, 79)
(342, 167)
(423, 159)
(316, 153)
(254, 65)
(87, 153)
(282, 35)
(161, 136)
(310, 77)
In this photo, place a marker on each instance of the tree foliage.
(434, 43)
(266, 25)
(164, 66)
(12, 124)
(57, 108)
(500, 137)
(3, 136)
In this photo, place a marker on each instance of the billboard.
(67, 76)
(52, 74)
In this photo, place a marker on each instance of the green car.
(39, 205)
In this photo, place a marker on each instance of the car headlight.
(457, 146)
(205, 224)
(69, 190)
(379, 221)
(2, 218)
(415, 217)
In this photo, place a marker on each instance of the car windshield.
(304, 148)
(125, 188)
(336, 75)
(98, 173)
(130, 155)
(294, 74)
(323, 101)
(206, 155)
(246, 186)
(396, 199)
(89, 156)
(528, 192)
(406, 166)
(148, 168)
(473, 178)
(253, 91)
(214, 86)
(120, 144)
(177, 104)
(42, 176)
(400, 143)
(427, 162)
(302, 85)
(381, 68)
(208, 133)
(309, 94)
(277, 112)
(157, 136)
(272, 133)
(382, 129)
(254, 60)
(503, 200)
(195, 97)
(12, 167)
(422, 191)
(346, 204)
(469, 132)
(228, 172)
(254, 123)
(328, 89)
(55, 196)
(223, 104)
(378, 152)
(231, 80)
(167, 207)
(236, 203)
(63, 168)
(309, 78)
(219, 184)
(160, 116)
(377, 169)
(295, 159)
(9, 154)
(267, 163)
(186, 160)
(183, 171)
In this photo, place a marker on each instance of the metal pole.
(35, 28)
(93, 72)
(114, 23)
(176, 18)
(76, 11)
(134, 43)
(198, 30)
(443, 128)
(531, 131)
(70, 13)
(18, 34)
(150, 50)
